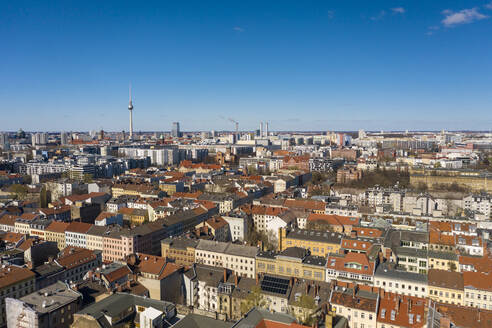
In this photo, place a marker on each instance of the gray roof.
(443, 255)
(117, 303)
(211, 275)
(180, 242)
(413, 252)
(211, 246)
(255, 316)
(241, 250)
(226, 248)
(326, 236)
(53, 297)
(385, 270)
(199, 321)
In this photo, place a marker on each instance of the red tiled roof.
(305, 204)
(79, 227)
(275, 324)
(72, 257)
(57, 226)
(408, 312)
(367, 267)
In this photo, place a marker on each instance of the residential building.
(478, 290)
(238, 227)
(390, 279)
(319, 243)
(359, 267)
(446, 286)
(77, 262)
(15, 282)
(238, 258)
(56, 232)
(357, 303)
(108, 218)
(76, 234)
(401, 311)
(53, 306)
(123, 309)
(181, 250)
(292, 262)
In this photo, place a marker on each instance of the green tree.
(308, 305)
(254, 299)
(452, 266)
(19, 190)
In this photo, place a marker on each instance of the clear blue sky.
(301, 65)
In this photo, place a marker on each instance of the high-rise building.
(130, 108)
(266, 129)
(4, 141)
(64, 138)
(39, 139)
(176, 133)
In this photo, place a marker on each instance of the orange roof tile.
(57, 226)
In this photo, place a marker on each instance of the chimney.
(235, 279)
(409, 305)
(257, 278)
(225, 275)
(354, 292)
(398, 305)
(353, 234)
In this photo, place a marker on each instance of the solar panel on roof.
(275, 285)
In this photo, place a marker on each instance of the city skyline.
(388, 65)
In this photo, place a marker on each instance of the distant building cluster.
(245, 228)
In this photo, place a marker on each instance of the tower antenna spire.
(130, 108)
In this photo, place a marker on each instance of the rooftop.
(51, 298)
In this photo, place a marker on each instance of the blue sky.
(301, 65)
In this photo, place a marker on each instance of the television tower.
(130, 108)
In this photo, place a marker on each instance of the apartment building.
(238, 258)
(319, 243)
(77, 262)
(446, 287)
(179, 249)
(56, 232)
(238, 227)
(108, 218)
(15, 282)
(53, 306)
(76, 234)
(292, 262)
(351, 267)
(401, 311)
(481, 203)
(390, 279)
(357, 303)
(340, 224)
(95, 236)
(478, 290)
(118, 243)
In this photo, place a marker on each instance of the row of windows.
(397, 285)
